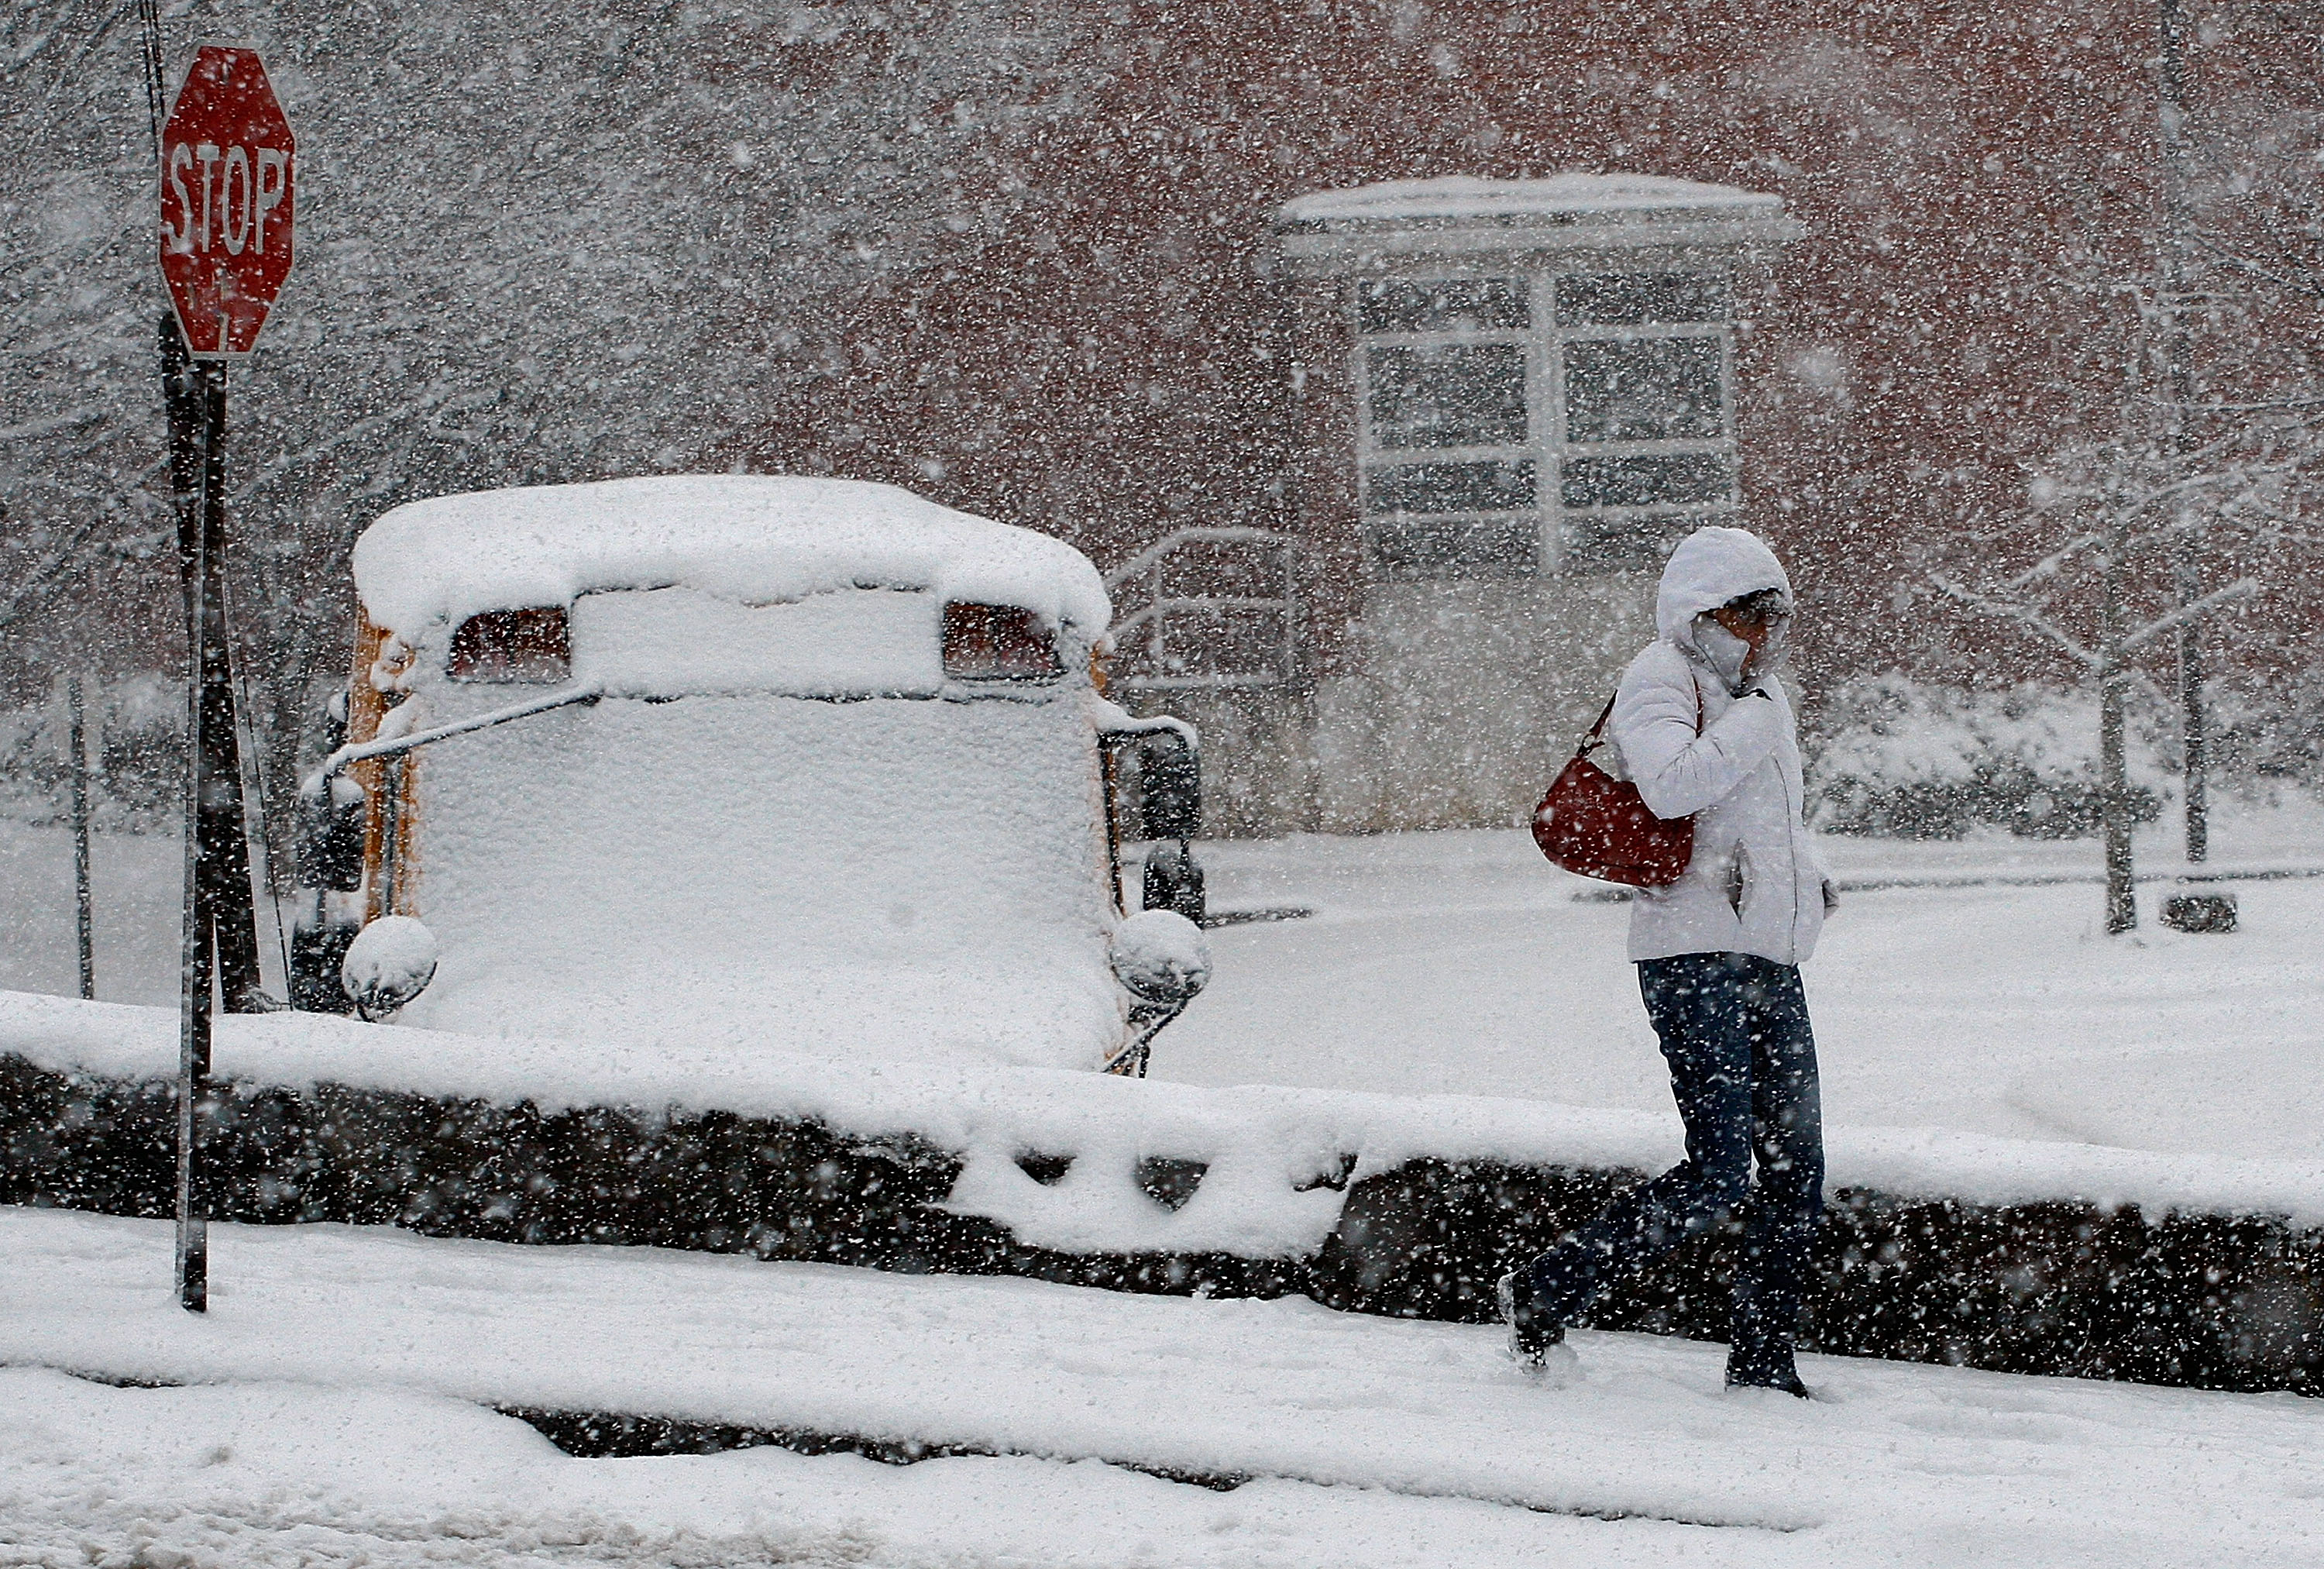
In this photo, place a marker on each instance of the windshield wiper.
(363, 751)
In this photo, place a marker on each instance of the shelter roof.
(1405, 225)
(1455, 196)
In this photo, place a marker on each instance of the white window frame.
(1545, 445)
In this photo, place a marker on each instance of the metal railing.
(1240, 639)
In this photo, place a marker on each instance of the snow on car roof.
(1464, 196)
(756, 539)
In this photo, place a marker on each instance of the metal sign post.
(225, 246)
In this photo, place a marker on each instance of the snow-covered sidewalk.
(1899, 1463)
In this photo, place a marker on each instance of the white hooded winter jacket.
(1754, 884)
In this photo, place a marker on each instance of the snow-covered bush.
(2269, 732)
(1897, 756)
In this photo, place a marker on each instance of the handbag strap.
(1590, 741)
(1596, 732)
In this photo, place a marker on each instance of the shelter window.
(1642, 482)
(1638, 298)
(1588, 435)
(1450, 487)
(1644, 389)
(1443, 305)
(1454, 394)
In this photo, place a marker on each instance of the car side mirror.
(1160, 958)
(1171, 777)
(1170, 815)
(1173, 881)
(389, 964)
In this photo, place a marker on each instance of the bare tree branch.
(2252, 268)
(2025, 616)
(33, 587)
(54, 424)
(2047, 565)
(2242, 589)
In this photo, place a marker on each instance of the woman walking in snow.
(1704, 730)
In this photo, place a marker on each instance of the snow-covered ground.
(136, 881)
(343, 1374)
(337, 1411)
(1461, 963)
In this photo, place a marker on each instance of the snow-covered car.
(807, 764)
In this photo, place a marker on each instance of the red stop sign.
(227, 174)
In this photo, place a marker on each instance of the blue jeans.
(1734, 1029)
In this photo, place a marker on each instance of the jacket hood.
(1710, 567)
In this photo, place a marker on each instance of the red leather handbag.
(1596, 825)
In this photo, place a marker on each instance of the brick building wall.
(1974, 185)
(1973, 181)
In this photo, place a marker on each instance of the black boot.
(1766, 1372)
(1533, 1334)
